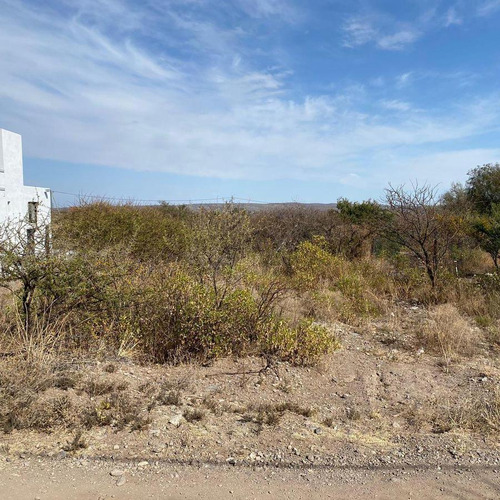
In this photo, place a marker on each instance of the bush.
(447, 332)
(146, 233)
(302, 345)
(336, 288)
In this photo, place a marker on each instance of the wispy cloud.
(399, 40)
(269, 8)
(184, 92)
(488, 7)
(452, 18)
(396, 105)
(386, 31)
(362, 31)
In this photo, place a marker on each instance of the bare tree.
(24, 261)
(419, 224)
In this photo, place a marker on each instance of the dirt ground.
(377, 419)
(44, 479)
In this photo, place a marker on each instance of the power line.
(188, 201)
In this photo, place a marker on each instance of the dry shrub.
(479, 412)
(334, 288)
(40, 394)
(272, 413)
(471, 261)
(30, 397)
(448, 333)
(194, 415)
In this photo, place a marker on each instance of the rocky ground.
(379, 417)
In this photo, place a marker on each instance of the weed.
(447, 332)
(194, 415)
(169, 397)
(78, 443)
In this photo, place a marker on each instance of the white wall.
(14, 195)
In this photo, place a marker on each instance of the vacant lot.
(364, 339)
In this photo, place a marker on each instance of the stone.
(144, 463)
(176, 420)
(121, 481)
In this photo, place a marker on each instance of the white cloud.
(441, 167)
(80, 93)
(359, 31)
(399, 40)
(396, 105)
(404, 78)
(452, 18)
(488, 7)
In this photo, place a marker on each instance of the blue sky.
(273, 100)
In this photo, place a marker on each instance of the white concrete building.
(20, 203)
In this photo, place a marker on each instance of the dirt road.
(33, 478)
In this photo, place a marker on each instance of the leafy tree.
(483, 187)
(456, 200)
(360, 222)
(487, 232)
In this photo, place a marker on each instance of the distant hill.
(259, 207)
(251, 207)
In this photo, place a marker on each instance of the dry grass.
(272, 413)
(45, 394)
(194, 415)
(476, 412)
(448, 333)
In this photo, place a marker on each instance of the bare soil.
(377, 419)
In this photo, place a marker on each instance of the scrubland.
(282, 334)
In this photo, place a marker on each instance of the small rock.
(116, 447)
(121, 481)
(144, 463)
(176, 420)
(117, 473)
(61, 454)
(231, 461)
(318, 430)
(158, 448)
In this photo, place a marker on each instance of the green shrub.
(302, 345)
(311, 264)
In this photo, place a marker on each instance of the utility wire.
(188, 201)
